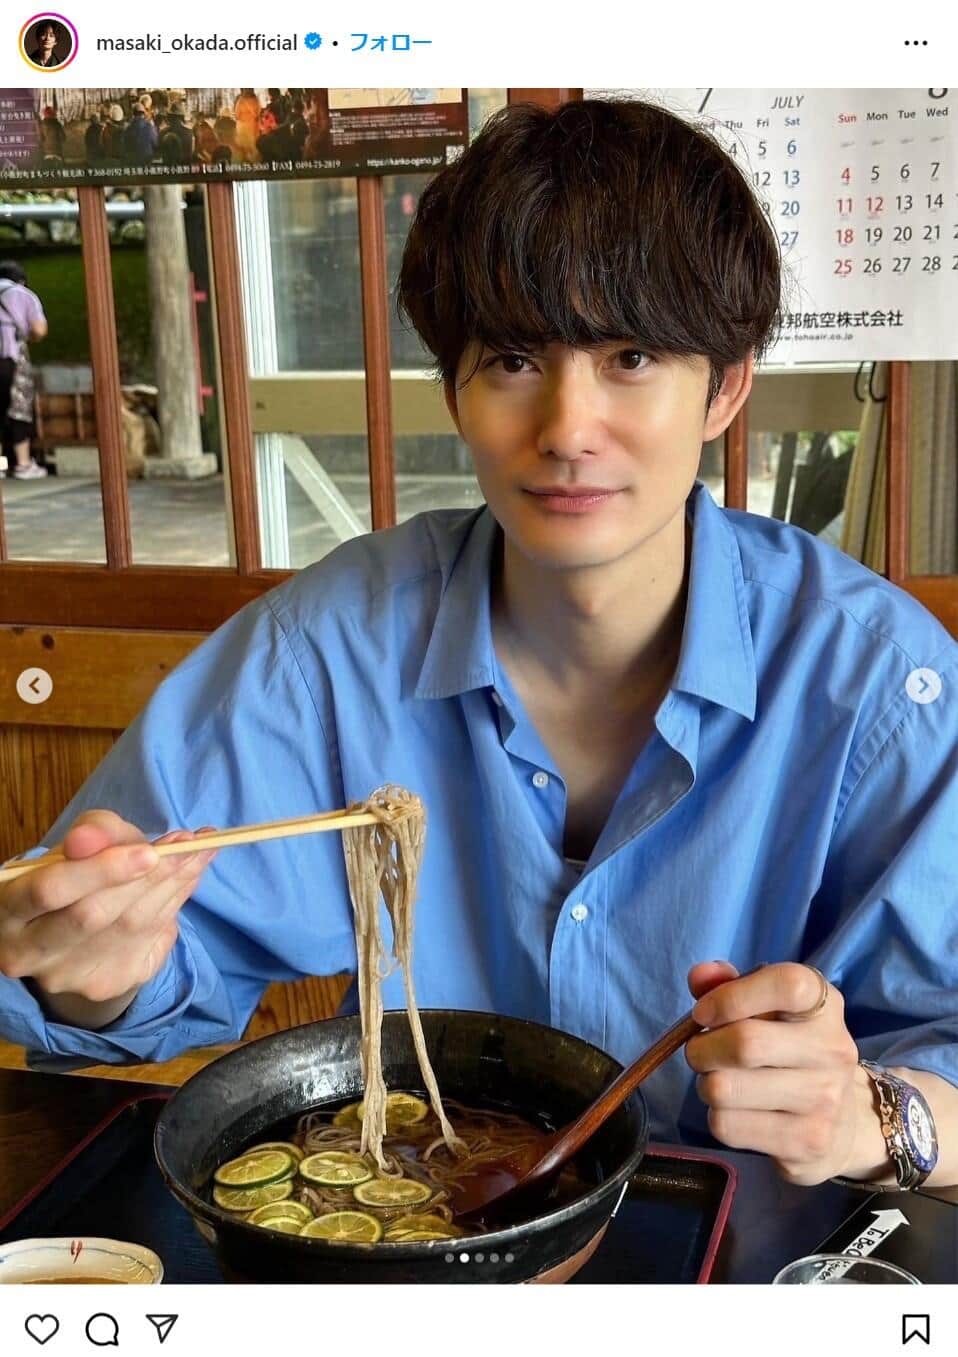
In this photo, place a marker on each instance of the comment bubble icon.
(103, 1331)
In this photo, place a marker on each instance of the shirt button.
(496, 698)
(540, 780)
(579, 913)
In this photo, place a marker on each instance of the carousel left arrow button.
(34, 686)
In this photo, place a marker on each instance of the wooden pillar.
(375, 293)
(104, 360)
(897, 505)
(736, 461)
(231, 340)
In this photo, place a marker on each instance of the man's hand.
(790, 1089)
(97, 926)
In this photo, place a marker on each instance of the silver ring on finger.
(819, 1004)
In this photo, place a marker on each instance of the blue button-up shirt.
(797, 799)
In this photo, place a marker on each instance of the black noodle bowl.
(480, 1059)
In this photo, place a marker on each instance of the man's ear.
(731, 396)
(452, 405)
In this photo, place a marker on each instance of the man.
(52, 138)
(286, 141)
(246, 111)
(647, 731)
(52, 47)
(21, 322)
(114, 130)
(204, 139)
(140, 138)
(93, 140)
(176, 139)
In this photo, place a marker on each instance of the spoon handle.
(578, 1132)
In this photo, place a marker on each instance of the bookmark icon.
(916, 1326)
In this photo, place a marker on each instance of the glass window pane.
(161, 289)
(712, 468)
(47, 517)
(800, 477)
(818, 461)
(300, 243)
(800, 474)
(299, 246)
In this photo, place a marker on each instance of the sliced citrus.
(249, 1198)
(402, 1109)
(285, 1145)
(347, 1116)
(297, 1211)
(285, 1224)
(335, 1168)
(392, 1192)
(418, 1237)
(355, 1227)
(254, 1169)
(412, 1229)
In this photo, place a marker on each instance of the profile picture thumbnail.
(48, 42)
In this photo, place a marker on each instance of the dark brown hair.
(603, 220)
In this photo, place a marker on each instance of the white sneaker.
(32, 472)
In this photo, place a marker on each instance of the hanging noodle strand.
(384, 859)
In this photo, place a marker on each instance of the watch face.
(919, 1129)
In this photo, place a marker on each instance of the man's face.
(608, 418)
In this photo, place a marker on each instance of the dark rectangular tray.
(667, 1228)
(911, 1229)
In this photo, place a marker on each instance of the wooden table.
(42, 1116)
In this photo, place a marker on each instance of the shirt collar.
(716, 660)
(460, 654)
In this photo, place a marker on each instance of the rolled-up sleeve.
(884, 924)
(233, 736)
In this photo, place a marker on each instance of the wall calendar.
(861, 187)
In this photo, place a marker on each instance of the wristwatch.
(908, 1127)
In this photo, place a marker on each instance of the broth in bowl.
(262, 1092)
(310, 1176)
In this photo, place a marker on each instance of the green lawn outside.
(55, 273)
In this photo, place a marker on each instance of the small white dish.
(85, 1258)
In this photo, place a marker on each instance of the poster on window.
(75, 137)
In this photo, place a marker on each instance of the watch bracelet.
(907, 1175)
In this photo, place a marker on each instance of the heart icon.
(41, 1328)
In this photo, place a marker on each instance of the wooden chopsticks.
(227, 838)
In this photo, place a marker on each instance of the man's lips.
(571, 491)
(572, 499)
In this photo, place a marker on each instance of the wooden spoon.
(498, 1179)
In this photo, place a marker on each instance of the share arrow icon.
(162, 1324)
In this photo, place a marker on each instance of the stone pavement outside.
(184, 522)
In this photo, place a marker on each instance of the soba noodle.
(321, 1182)
(419, 1153)
(385, 858)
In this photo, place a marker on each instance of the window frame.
(156, 597)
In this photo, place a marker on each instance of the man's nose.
(569, 414)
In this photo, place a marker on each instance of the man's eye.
(505, 358)
(627, 355)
